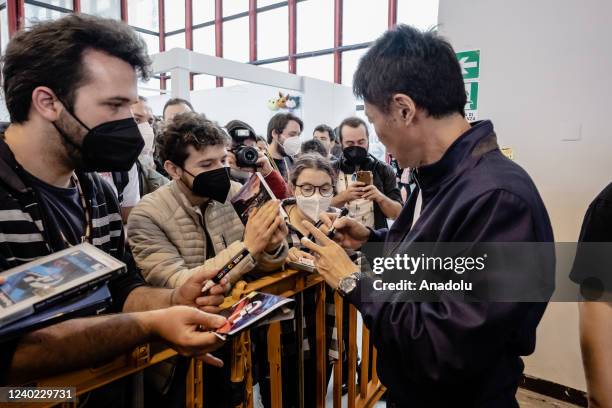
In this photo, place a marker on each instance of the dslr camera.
(246, 156)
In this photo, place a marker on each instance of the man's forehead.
(206, 153)
(111, 76)
(354, 132)
(141, 108)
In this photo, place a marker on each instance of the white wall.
(546, 66)
(322, 102)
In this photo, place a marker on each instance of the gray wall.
(546, 71)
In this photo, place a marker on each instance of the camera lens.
(246, 156)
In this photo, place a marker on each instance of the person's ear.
(174, 171)
(403, 108)
(46, 104)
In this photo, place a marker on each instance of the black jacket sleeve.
(390, 188)
(439, 341)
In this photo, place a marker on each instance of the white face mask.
(292, 146)
(146, 131)
(313, 206)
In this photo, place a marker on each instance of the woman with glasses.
(312, 181)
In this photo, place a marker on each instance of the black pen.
(225, 270)
(343, 213)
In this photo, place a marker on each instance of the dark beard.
(280, 149)
(67, 127)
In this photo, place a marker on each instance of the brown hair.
(51, 54)
(312, 161)
(353, 122)
(188, 129)
(279, 122)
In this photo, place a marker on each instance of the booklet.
(255, 309)
(91, 303)
(37, 285)
(253, 194)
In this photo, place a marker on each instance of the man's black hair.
(51, 54)
(176, 101)
(353, 122)
(234, 125)
(328, 129)
(313, 146)
(419, 64)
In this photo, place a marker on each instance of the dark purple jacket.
(453, 353)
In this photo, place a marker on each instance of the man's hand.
(353, 192)
(348, 232)
(1, 280)
(186, 330)
(295, 254)
(278, 237)
(262, 227)
(372, 193)
(331, 260)
(263, 164)
(190, 293)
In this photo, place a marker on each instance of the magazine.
(91, 303)
(253, 194)
(54, 278)
(254, 310)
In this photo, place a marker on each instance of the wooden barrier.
(285, 283)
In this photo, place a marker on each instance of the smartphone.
(365, 177)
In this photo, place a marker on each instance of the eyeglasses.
(326, 190)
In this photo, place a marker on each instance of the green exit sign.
(470, 63)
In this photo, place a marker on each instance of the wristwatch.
(348, 284)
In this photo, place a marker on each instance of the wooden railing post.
(352, 355)
(337, 388)
(320, 346)
(241, 368)
(274, 356)
(195, 388)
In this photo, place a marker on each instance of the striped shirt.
(26, 232)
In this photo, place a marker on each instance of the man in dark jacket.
(449, 352)
(370, 204)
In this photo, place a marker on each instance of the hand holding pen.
(344, 230)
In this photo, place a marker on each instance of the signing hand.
(186, 330)
(349, 233)
(190, 293)
(331, 260)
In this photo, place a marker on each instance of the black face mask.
(213, 184)
(110, 146)
(355, 155)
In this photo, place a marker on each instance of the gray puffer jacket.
(168, 239)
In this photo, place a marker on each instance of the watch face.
(347, 284)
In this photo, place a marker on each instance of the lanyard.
(86, 237)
